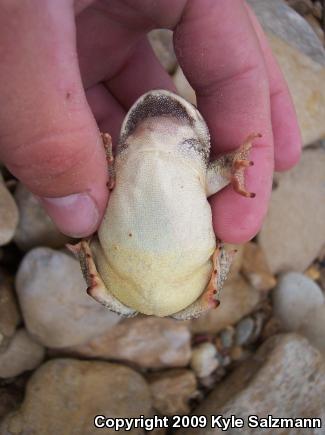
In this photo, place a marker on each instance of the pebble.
(161, 41)
(149, 342)
(8, 214)
(35, 228)
(285, 378)
(227, 337)
(238, 299)
(204, 360)
(22, 354)
(184, 89)
(313, 327)
(55, 306)
(255, 268)
(244, 331)
(172, 390)
(294, 296)
(64, 395)
(293, 233)
(280, 20)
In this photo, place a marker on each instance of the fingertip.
(76, 215)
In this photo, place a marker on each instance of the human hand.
(54, 95)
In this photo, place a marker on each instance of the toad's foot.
(230, 168)
(107, 142)
(96, 287)
(221, 261)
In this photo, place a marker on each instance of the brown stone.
(146, 341)
(255, 268)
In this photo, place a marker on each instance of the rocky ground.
(64, 358)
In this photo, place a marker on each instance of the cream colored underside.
(157, 233)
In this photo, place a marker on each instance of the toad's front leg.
(107, 143)
(230, 169)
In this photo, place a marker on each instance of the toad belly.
(156, 234)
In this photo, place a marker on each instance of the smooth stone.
(255, 268)
(22, 354)
(285, 378)
(293, 232)
(55, 306)
(227, 336)
(149, 342)
(204, 360)
(306, 82)
(313, 327)
(161, 41)
(238, 299)
(9, 314)
(171, 391)
(294, 296)
(277, 18)
(183, 87)
(244, 331)
(64, 395)
(35, 228)
(8, 214)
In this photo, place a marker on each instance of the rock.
(305, 80)
(22, 354)
(314, 23)
(149, 342)
(8, 214)
(63, 396)
(172, 390)
(285, 378)
(204, 360)
(35, 228)
(303, 7)
(237, 262)
(293, 233)
(54, 303)
(280, 20)
(294, 296)
(255, 268)
(244, 331)
(183, 87)
(9, 315)
(227, 336)
(313, 327)
(238, 299)
(161, 41)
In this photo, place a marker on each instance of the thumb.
(48, 136)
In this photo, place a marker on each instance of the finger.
(108, 113)
(49, 138)
(119, 56)
(220, 55)
(286, 133)
(142, 69)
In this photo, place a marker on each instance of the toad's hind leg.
(221, 261)
(96, 287)
(230, 169)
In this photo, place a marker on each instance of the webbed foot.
(96, 287)
(221, 261)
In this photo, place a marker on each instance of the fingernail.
(75, 215)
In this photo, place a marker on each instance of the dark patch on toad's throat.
(154, 106)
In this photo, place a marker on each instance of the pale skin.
(56, 96)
